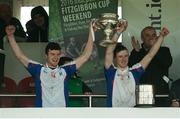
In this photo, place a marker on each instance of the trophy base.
(105, 43)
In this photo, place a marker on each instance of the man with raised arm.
(51, 81)
(158, 70)
(121, 79)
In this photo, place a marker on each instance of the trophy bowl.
(107, 22)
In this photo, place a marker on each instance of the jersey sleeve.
(109, 73)
(137, 71)
(70, 68)
(34, 68)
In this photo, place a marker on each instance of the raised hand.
(10, 30)
(135, 44)
(121, 25)
(94, 24)
(164, 32)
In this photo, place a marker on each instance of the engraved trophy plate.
(145, 95)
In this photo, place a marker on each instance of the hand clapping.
(135, 44)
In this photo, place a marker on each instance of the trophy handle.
(99, 25)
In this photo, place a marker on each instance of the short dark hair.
(119, 47)
(52, 46)
(147, 27)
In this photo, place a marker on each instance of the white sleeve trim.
(34, 62)
(136, 66)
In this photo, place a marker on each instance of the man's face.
(53, 57)
(39, 20)
(149, 38)
(122, 59)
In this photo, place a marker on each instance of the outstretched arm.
(121, 26)
(88, 48)
(147, 59)
(17, 51)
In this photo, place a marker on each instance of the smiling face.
(53, 57)
(53, 52)
(149, 37)
(122, 59)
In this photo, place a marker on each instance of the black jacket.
(156, 70)
(36, 33)
(19, 29)
(175, 90)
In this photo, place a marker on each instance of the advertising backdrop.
(69, 25)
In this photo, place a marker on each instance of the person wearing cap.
(37, 27)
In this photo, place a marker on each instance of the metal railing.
(90, 97)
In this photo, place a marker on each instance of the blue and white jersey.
(51, 85)
(121, 85)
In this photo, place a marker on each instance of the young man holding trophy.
(121, 79)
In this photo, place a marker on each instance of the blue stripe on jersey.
(70, 70)
(137, 73)
(110, 75)
(34, 70)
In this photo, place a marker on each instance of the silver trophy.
(107, 22)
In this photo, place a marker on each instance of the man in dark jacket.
(158, 68)
(37, 27)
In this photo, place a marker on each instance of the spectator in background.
(6, 18)
(158, 68)
(76, 86)
(37, 27)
